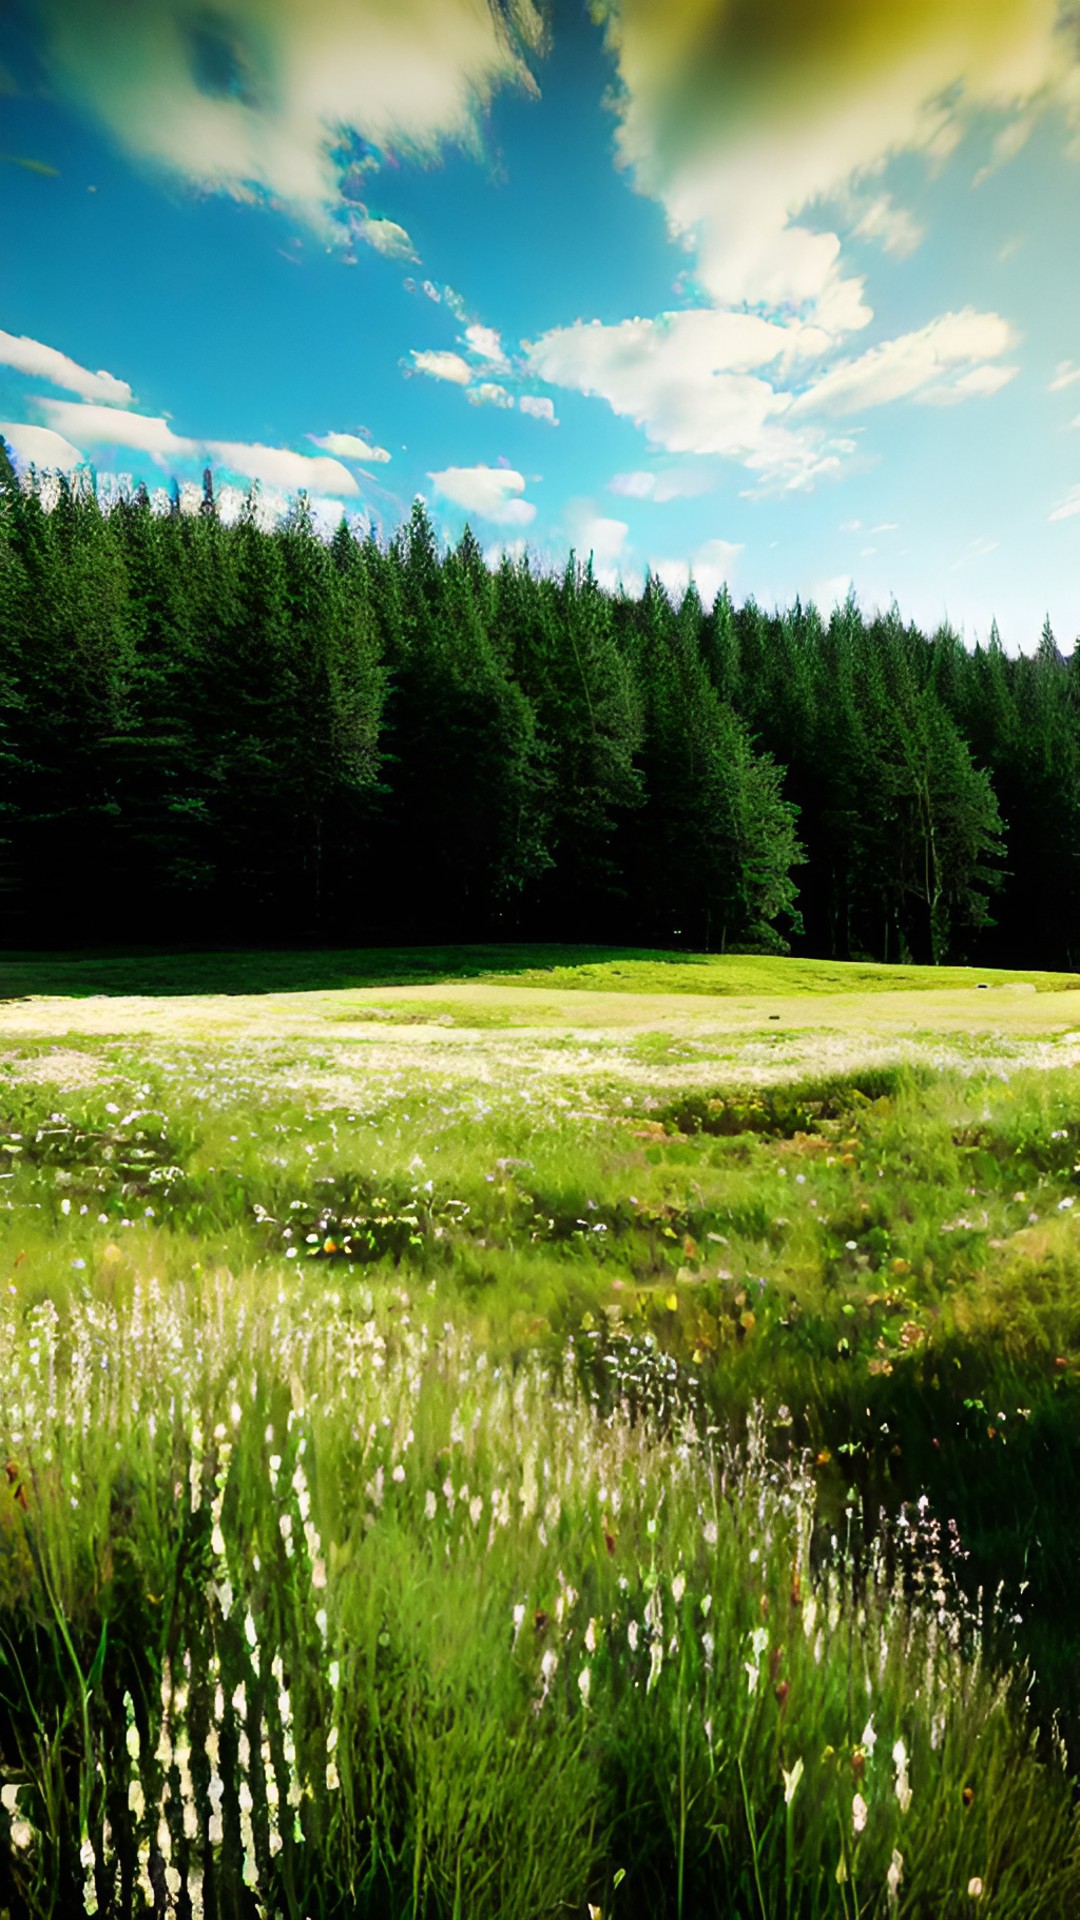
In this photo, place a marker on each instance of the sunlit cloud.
(741, 120)
(348, 446)
(97, 426)
(260, 96)
(47, 363)
(493, 493)
(692, 379)
(486, 344)
(947, 360)
(40, 447)
(696, 381)
(441, 365)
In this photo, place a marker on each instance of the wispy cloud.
(1068, 508)
(1065, 375)
(48, 363)
(945, 361)
(31, 166)
(493, 493)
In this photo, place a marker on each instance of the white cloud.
(385, 236)
(691, 380)
(489, 394)
(114, 427)
(40, 446)
(443, 366)
(280, 467)
(738, 120)
(276, 466)
(635, 486)
(939, 363)
(252, 99)
(47, 363)
(1065, 375)
(494, 493)
(1069, 507)
(347, 446)
(538, 407)
(487, 345)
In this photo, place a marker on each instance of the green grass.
(317, 1371)
(616, 970)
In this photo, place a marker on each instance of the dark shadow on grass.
(243, 971)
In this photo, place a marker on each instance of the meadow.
(507, 1433)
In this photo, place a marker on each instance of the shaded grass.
(622, 970)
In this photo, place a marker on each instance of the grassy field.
(516, 1433)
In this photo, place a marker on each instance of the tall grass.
(309, 1608)
(467, 1498)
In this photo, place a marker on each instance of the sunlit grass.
(874, 1276)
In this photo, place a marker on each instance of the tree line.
(215, 733)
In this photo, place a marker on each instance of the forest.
(215, 732)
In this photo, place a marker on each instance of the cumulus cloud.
(142, 433)
(492, 493)
(40, 446)
(693, 380)
(348, 446)
(486, 343)
(47, 363)
(709, 381)
(740, 119)
(489, 394)
(443, 366)
(255, 96)
(538, 407)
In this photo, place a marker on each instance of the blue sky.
(779, 294)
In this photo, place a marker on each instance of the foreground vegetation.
(501, 1491)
